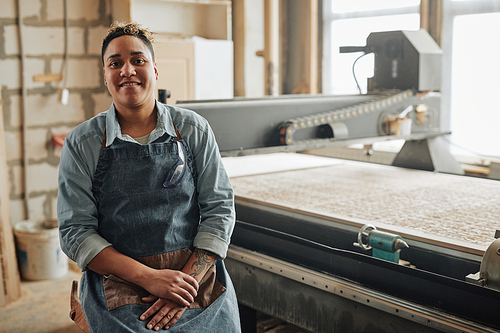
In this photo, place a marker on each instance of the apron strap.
(103, 144)
(177, 138)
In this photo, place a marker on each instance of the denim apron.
(156, 226)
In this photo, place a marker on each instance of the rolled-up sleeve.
(215, 193)
(76, 206)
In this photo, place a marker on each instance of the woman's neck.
(137, 122)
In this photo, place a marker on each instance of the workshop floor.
(43, 307)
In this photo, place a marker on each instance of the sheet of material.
(458, 210)
(261, 164)
(10, 283)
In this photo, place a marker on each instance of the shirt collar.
(164, 125)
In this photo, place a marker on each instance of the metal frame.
(252, 126)
(436, 286)
(323, 303)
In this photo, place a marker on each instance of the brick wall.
(43, 44)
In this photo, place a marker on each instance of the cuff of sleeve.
(209, 242)
(89, 248)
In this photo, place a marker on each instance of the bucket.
(39, 252)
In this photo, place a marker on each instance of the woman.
(145, 206)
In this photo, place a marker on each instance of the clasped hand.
(173, 291)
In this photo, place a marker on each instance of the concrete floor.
(43, 307)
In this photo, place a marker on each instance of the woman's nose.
(127, 70)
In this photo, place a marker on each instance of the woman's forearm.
(199, 263)
(111, 262)
(175, 285)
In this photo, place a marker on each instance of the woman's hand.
(172, 285)
(165, 313)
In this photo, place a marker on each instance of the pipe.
(24, 93)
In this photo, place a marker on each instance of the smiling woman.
(130, 75)
(145, 206)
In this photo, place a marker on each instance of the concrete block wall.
(43, 45)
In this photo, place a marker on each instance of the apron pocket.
(119, 292)
(209, 290)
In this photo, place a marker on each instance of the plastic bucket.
(39, 252)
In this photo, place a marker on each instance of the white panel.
(213, 69)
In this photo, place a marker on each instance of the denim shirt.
(76, 205)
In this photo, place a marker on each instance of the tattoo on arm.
(203, 261)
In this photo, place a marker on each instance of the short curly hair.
(118, 29)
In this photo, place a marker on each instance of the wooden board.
(10, 283)
(458, 208)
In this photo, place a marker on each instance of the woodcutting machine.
(356, 247)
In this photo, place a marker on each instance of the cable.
(64, 64)
(24, 93)
(354, 73)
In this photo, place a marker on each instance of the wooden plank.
(3, 293)
(2, 286)
(50, 77)
(10, 280)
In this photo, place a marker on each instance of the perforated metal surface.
(455, 207)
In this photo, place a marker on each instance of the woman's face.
(129, 72)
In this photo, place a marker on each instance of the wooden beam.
(271, 47)
(239, 34)
(424, 14)
(431, 18)
(313, 74)
(301, 60)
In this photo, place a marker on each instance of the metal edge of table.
(424, 240)
(335, 287)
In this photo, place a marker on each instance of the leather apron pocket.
(119, 292)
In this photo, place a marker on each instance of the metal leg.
(428, 154)
(248, 319)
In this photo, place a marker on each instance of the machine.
(353, 247)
